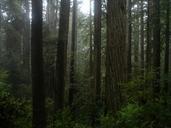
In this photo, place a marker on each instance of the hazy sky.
(85, 6)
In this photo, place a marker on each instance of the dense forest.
(67, 64)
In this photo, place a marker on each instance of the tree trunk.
(26, 44)
(167, 45)
(129, 62)
(39, 118)
(61, 54)
(116, 59)
(91, 69)
(142, 38)
(97, 47)
(91, 49)
(156, 46)
(136, 38)
(72, 88)
(149, 41)
(0, 16)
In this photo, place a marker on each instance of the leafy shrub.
(107, 121)
(129, 116)
(139, 89)
(156, 115)
(4, 87)
(63, 119)
(151, 115)
(15, 113)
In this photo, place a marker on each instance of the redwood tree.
(72, 88)
(142, 38)
(38, 91)
(156, 46)
(129, 62)
(61, 54)
(167, 40)
(149, 33)
(116, 59)
(97, 46)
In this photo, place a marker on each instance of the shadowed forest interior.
(85, 64)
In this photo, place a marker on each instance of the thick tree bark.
(0, 15)
(142, 38)
(61, 54)
(156, 46)
(129, 62)
(116, 58)
(167, 45)
(72, 88)
(97, 47)
(39, 118)
(149, 41)
(91, 48)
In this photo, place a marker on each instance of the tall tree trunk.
(91, 68)
(167, 45)
(72, 88)
(97, 47)
(156, 46)
(149, 41)
(61, 54)
(26, 44)
(116, 59)
(0, 28)
(96, 90)
(52, 22)
(137, 40)
(91, 49)
(129, 62)
(39, 118)
(142, 38)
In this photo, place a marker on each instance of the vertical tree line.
(143, 39)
